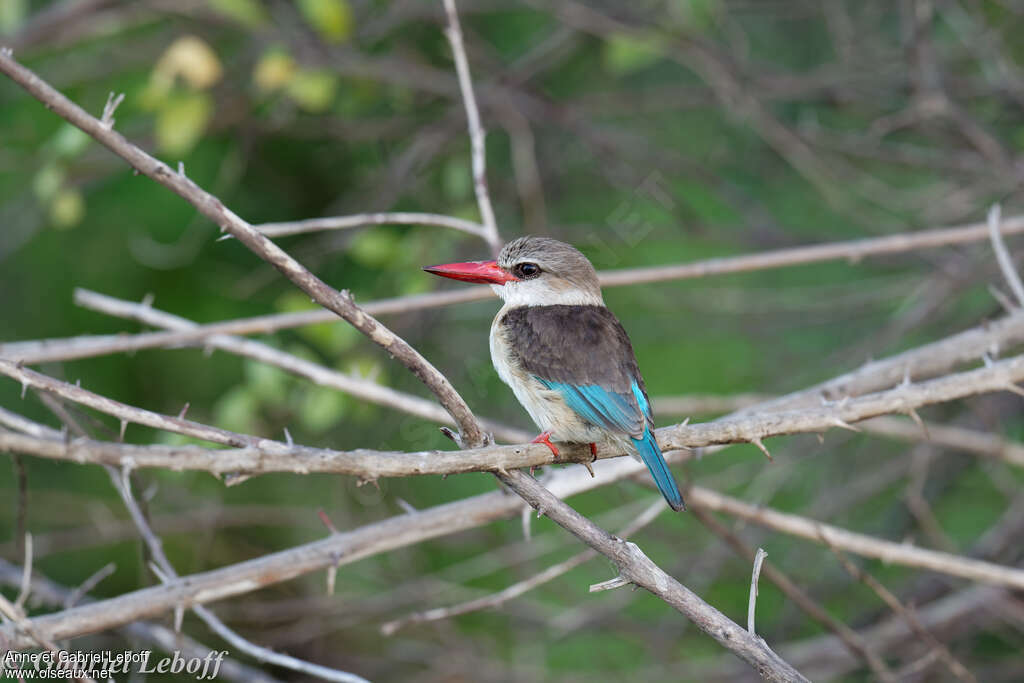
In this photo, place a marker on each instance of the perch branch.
(271, 456)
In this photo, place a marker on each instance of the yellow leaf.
(332, 19)
(273, 71)
(182, 121)
(313, 90)
(190, 59)
(67, 209)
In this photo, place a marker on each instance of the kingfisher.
(566, 357)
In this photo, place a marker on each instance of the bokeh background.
(662, 132)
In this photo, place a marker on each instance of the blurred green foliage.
(325, 107)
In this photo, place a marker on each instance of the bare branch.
(211, 207)
(852, 640)
(53, 594)
(282, 229)
(127, 413)
(273, 456)
(955, 667)
(319, 374)
(81, 347)
(476, 131)
(635, 567)
(1003, 255)
(519, 588)
(860, 544)
(752, 601)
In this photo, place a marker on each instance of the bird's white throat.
(539, 292)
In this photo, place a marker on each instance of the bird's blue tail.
(651, 455)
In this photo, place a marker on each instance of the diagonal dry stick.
(951, 662)
(211, 207)
(850, 638)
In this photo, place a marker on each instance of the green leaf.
(374, 248)
(267, 382)
(313, 90)
(48, 181)
(12, 15)
(332, 19)
(67, 209)
(695, 14)
(237, 410)
(321, 408)
(248, 13)
(457, 180)
(182, 121)
(69, 141)
(626, 54)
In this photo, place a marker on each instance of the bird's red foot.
(545, 438)
(593, 450)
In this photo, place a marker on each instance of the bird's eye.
(525, 271)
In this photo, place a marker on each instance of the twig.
(520, 587)
(950, 436)
(1003, 255)
(852, 640)
(861, 544)
(26, 577)
(476, 131)
(50, 593)
(167, 574)
(284, 228)
(127, 413)
(752, 601)
(86, 586)
(954, 665)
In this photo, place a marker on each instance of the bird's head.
(532, 271)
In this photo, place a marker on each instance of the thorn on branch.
(760, 444)
(920, 423)
(184, 409)
(451, 434)
(113, 102)
(406, 506)
(327, 521)
(842, 424)
(590, 468)
(610, 584)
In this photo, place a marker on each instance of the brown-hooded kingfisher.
(566, 356)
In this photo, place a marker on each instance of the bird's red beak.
(486, 272)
